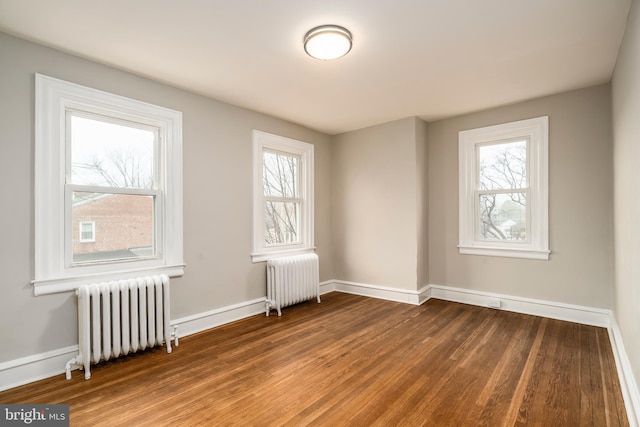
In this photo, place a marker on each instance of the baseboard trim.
(326, 287)
(36, 367)
(381, 292)
(628, 385)
(220, 316)
(554, 310)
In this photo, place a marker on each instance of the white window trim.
(53, 98)
(93, 232)
(266, 141)
(536, 131)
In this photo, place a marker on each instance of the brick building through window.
(123, 226)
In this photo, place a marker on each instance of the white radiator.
(291, 280)
(121, 317)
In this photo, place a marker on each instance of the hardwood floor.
(356, 361)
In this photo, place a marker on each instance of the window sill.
(68, 284)
(505, 252)
(264, 256)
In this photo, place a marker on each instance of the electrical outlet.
(494, 303)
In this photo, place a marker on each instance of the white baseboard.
(630, 392)
(220, 316)
(381, 292)
(554, 310)
(326, 287)
(36, 367)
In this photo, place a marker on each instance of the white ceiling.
(426, 58)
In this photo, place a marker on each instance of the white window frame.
(536, 132)
(263, 141)
(54, 272)
(93, 232)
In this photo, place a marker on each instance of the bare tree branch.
(280, 179)
(121, 168)
(503, 167)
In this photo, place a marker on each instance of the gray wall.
(422, 200)
(580, 204)
(217, 197)
(377, 216)
(626, 131)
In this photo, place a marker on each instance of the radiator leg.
(76, 361)
(68, 367)
(270, 305)
(175, 336)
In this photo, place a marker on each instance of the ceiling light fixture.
(327, 42)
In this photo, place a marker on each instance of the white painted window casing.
(56, 101)
(533, 240)
(297, 197)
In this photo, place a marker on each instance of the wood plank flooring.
(356, 361)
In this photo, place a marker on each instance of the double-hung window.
(108, 187)
(283, 196)
(503, 190)
(87, 232)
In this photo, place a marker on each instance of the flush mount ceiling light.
(327, 42)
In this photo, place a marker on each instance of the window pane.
(503, 166)
(280, 174)
(110, 155)
(503, 216)
(87, 231)
(282, 220)
(123, 226)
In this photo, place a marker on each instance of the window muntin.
(282, 201)
(283, 196)
(87, 231)
(107, 155)
(71, 167)
(503, 190)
